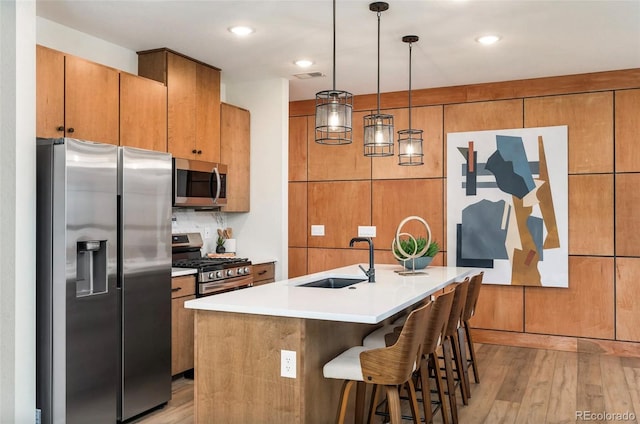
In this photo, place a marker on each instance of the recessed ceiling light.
(488, 39)
(304, 63)
(241, 31)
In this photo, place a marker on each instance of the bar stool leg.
(472, 353)
(426, 392)
(460, 357)
(446, 353)
(433, 360)
(360, 394)
(375, 394)
(344, 400)
(413, 400)
(393, 399)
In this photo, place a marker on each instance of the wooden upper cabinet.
(299, 132)
(208, 113)
(235, 148)
(193, 102)
(49, 93)
(181, 106)
(75, 98)
(91, 101)
(143, 113)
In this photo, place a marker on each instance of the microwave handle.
(215, 170)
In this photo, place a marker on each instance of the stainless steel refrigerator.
(103, 281)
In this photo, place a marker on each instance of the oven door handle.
(214, 287)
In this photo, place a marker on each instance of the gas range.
(215, 275)
(213, 269)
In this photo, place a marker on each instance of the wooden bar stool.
(465, 329)
(451, 349)
(390, 367)
(433, 338)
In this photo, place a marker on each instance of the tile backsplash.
(203, 222)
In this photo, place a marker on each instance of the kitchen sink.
(333, 282)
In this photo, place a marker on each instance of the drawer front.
(183, 286)
(263, 272)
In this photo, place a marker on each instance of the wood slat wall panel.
(427, 119)
(627, 216)
(341, 162)
(627, 116)
(341, 207)
(584, 309)
(591, 225)
(298, 148)
(394, 200)
(567, 84)
(297, 214)
(324, 259)
(500, 308)
(590, 121)
(627, 295)
(297, 261)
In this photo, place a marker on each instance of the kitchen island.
(240, 336)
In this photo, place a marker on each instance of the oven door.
(198, 184)
(221, 286)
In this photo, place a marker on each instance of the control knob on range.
(229, 273)
(246, 270)
(239, 271)
(218, 274)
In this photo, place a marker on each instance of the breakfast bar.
(240, 336)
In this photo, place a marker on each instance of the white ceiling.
(539, 38)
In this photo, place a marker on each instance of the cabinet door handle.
(175, 289)
(199, 152)
(194, 151)
(70, 130)
(60, 128)
(264, 271)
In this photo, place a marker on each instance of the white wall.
(264, 231)
(68, 40)
(17, 211)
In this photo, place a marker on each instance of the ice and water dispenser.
(91, 275)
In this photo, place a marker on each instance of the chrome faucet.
(371, 273)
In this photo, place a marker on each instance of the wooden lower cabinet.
(182, 289)
(264, 273)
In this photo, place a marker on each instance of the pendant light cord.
(334, 45)
(410, 44)
(378, 63)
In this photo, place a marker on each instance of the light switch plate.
(317, 230)
(366, 231)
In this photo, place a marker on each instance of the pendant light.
(334, 108)
(378, 128)
(410, 141)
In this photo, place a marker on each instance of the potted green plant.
(412, 247)
(220, 245)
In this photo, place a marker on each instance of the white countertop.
(179, 272)
(368, 303)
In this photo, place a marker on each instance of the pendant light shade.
(378, 128)
(334, 108)
(410, 140)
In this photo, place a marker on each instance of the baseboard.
(563, 343)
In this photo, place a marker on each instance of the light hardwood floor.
(518, 385)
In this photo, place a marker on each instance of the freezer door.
(76, 302)
(145, 280)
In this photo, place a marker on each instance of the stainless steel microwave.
(198, 184)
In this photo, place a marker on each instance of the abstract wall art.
(507, 205)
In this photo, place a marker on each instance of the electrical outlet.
(317, 230)
(366, 231)
(288, 363)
